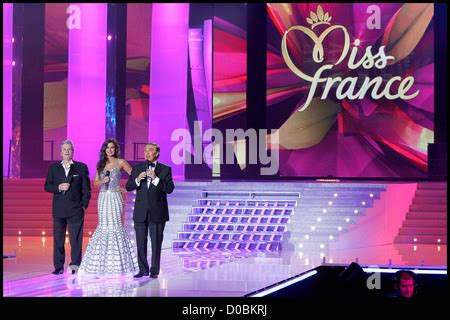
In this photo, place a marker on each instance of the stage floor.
(199, 274)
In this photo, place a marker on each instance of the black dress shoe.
(58, 271)
(153, 276)
(141, 274)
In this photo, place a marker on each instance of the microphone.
(67, 180)
(107, 173)
(152, 166)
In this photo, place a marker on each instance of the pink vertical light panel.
(207, 57)
(7, 81)
(87, 83)
(168, 77)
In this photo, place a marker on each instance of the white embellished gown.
(109, 251)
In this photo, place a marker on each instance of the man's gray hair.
(69, 142)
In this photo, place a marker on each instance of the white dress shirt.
(150, 180)
(66, 169)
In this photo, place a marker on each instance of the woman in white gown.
(109, 251)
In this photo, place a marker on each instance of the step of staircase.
(425, 223)
(33, 196)
(422, 239)
(92, 209)
(43, 225)
(38, 202)
(34, 232)
(428, 207)
(426, 254)
(427, 215)
(415, 231)
(23, 182)
(425, 200)
(432, 186)
(14, 217)
(432, 193)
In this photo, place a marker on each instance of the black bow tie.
(151, 164)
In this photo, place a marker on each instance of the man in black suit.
(153, 181)
(69, 182)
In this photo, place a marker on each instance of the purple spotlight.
(109, 37)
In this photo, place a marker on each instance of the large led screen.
(351, 88)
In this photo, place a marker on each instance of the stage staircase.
(424, 230)
(232, 220)
(27, 208)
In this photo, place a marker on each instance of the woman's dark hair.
(103, 157)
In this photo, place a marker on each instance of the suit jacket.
(153, 199)
(77, 197)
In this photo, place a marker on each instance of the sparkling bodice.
(114, 180)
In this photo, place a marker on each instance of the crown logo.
(319, 18)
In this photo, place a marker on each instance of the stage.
(330, 223)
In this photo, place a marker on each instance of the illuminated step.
(249, 194)
(247, 203)
(242, 211)
(421, 239)
(250, 246)
(237, 219)
(258, 237)
(234, 227)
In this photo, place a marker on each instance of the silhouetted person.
(352, 282)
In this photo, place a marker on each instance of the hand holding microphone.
(142, 176)
(151, 171)
(66, 184)
(107, 174)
